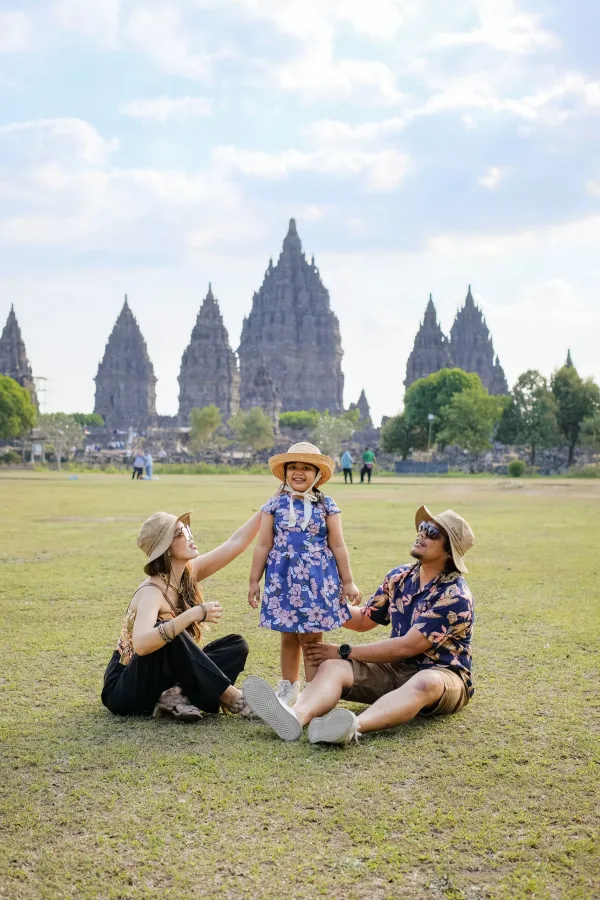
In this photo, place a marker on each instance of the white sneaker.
(288, 691)
(263, 700)
(340, 726)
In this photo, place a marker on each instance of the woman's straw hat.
(303, 452)
(157, 533)
(458, 530)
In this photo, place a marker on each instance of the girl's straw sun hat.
(303, 452)
(157, 533)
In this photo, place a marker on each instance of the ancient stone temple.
(209, 371)
(13, 356)
(125, 383)
(261, 391)
(364, 409)
(292, 327)
(472, 348)
(431, 350)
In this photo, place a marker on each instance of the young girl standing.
(308, 575)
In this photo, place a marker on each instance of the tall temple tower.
(209, 371)
(364, 409)
(431, 350)
(472, 348)
(125, 383)
(262, 392)
(13, 356)
(292, 328)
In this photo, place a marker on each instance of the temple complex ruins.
(13, 356)
(469, 348)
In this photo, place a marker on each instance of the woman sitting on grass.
(159, 667)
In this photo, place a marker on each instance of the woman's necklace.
(167, 580)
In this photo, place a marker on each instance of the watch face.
(345, 649)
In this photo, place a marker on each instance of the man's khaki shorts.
(373, 680)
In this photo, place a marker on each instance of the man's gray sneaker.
(340, 726)
(263, 701)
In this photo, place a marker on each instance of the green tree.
(429, 396)
(470, 418)
(331, 431)
(17, 412)
(205, 421)
(253, 429)
(577, 399)
(89, 420)
(507, 431)
(62, 433)
(397, 436)
(590, 432)
(299, 420)
(535, 409)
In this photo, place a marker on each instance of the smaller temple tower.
(209, 371)
(13, 356)
(364, 409)
(431, 350)
(472, 348)
(125, 383)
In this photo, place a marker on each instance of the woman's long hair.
(191, 594)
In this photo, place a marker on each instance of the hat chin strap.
(308, 496)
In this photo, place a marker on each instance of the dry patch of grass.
(498, 802)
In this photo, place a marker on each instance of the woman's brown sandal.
(173, 705)
(238, 708)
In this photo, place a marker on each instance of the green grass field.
(499, 801)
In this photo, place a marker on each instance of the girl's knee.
(306, 639)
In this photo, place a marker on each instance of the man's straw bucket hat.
(458, 530)
(303, 452)
(157, 533)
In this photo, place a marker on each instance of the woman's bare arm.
(209, 563)
(146, 637)
(259, 559)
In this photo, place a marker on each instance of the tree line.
(452, 407)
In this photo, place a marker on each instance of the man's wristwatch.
(345, 650)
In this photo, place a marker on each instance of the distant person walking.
(148, 464)
(368, 461)
(347, 463)
(138, 466)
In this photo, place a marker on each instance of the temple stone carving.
(13, 356)
(431, 350)
(125, 383)
(292, 328)
(472, 348)
(209, 371)
(261, 391)
(364, 409)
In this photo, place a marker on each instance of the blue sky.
(150, 147)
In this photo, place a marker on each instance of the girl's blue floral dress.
(303, 590)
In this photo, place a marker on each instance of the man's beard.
(415, 554)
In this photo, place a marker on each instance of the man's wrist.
(344, 651)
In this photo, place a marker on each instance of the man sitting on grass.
(423, 668)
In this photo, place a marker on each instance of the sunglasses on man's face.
(429, 531)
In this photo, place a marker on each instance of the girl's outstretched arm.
(259, 559)
(337, 545)
(209, 563)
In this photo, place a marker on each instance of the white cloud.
(161, 33)
(16, 31)
(62, 140)
(492, 178)
(97, 19)
(381, 170)
(159, 109)
(502, 27)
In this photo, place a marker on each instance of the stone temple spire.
(292, 327)
(125, 383)
(569, 363)
(472, 348)
(364, 409)
(209, 371)
(431, 351)
(13, 356)
(262, 392)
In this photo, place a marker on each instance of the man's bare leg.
(403, 704)
(325, 690)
